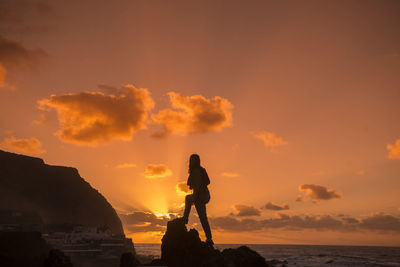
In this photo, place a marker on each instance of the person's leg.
(201, 211)
(188, 206)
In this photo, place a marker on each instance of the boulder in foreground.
(183, 248)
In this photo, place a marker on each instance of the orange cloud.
(42, 120)
(317, 192)
(244, 210)
(125, 166)
(182, 189)
(90, 118)
(230, 174)
(193, 114)
(14, 56)
(157, 171)
(23, 145)
(394, 150)
(270, 140)
(274, 206)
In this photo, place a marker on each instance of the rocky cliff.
(58, 194)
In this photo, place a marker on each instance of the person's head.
(194, 162)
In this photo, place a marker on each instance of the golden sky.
(292, 106)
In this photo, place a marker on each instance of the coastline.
(301, 255)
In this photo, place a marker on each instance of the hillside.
(57, 194)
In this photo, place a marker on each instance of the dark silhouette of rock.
(57, 194)
(156, 262)
(242, 257)
(29, 249)
(128, 259)
(22, 249)
(57, 258)
(182, 248)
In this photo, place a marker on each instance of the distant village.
(80, 243)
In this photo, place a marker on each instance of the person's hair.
(194, 162)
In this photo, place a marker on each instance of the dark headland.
(48, 211)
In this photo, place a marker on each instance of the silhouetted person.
(198, 180)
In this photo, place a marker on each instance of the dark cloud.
(319, 222)
(380, 222)
(318, 192)
(20, 18)
(300, 198)
(14, 56)
(90, 118)
(349, 220)
(157, 171)
(193, 114)
(231, 224)
(274, 206)
(243, 210)
(26, 16)
(375, 222)
(140, 221)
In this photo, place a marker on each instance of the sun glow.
(168, 215)
(146, 237)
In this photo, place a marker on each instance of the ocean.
(308, 255)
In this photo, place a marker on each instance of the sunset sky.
(293, 107)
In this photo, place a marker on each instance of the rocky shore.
(183, 248)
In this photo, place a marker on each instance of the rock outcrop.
(182, 248)
(128, 259)
(29, 249)
(57, 194)
(21, 249)
(57, 258)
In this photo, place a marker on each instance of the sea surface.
(309, 255)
